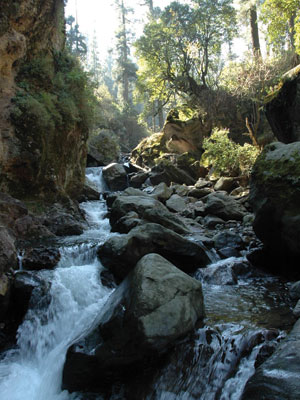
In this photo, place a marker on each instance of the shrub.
(227, 157)
(53, 94)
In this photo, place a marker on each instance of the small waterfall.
(33, 371)
(94, 179)
(20, 257)
(214, 363)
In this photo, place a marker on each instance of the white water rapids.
(33, 371)
(200, 370)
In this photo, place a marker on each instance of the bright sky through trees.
(101, 16)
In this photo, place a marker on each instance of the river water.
(214, 363)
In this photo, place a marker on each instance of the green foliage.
(227, 157)
(52, 96)
(282, 19)
(253, 79)
(76, 42)
(180, 52)
(107, 144)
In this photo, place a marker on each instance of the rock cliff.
(43, 128)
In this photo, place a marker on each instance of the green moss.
(280, 177)
(54, 94)
(288, 76)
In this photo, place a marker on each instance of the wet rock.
(277, 378)
(23, 285)
(115, 177)
(65, 220)
(88, 194)
(8, 252)
(227, 252)
(38, 258)
(132, 325)
(224, 206)
(296, 310)
(142, 319)
(228, 239)
(148, 209)
(5, 289)
(176, 203)
(121, 253)
(31, 227)
(275, 197)
(295, 290)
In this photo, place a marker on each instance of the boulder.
(152, 308)
(226, 183)
(126, 223)
(224, 206)
(275, 198)
(295, 290)
(136, 180)
(40, 258)
(8, 252)
(65, 220)
(168, 173)
(121, 253)
(147, 208)
(23, 285)
(283, 108)
(278, 377)
(103, 149)
(176, 203)
(211, 221)
(115, 177)
(5, 286)
(162, 192)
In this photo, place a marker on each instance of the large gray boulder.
(115, 177)
(121, 253)
(148, 209)
(224, 206)
(275, 197)
(153, 307)
(278, 377)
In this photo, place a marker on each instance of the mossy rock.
(275, 196)
(282, 107)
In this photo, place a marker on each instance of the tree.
(94, 62)
(248, 12)
(76, 42)
(180, 52)
(126, 69)
(282, 18)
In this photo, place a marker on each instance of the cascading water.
(213, 364)
(33, 370)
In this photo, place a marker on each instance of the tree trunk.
(254, 31)
(160, 114)
(125, 57)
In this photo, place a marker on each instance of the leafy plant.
(226, 157)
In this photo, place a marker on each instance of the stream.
(243, 320)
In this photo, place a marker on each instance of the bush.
(54, 94)
(227, 157)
